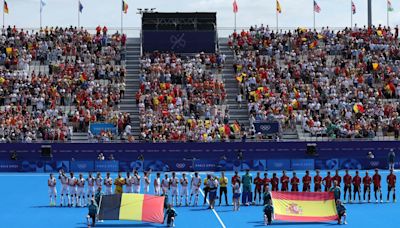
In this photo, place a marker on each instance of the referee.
(223, 182)
(92, 213)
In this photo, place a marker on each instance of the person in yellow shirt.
(119, 182)
(223, 182)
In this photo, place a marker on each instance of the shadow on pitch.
(261, 223)
(200, 209)
(83, 225)
(47, 206)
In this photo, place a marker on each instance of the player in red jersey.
(274, 182)
(357, 186)
(317, 182)
(391, 180)
(295, 182)
(376, 178)
(266, 182)
(234, 179)
(306, 182)
(347, 185)
(337, 178)
(367, 186)
(258, 182)
(327, 181)
(284, 182)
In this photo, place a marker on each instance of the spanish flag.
(304, 206)
(313, 44)
(124, 7)
(5, 9)
(278, 7)
(132, 207)
(358, 108)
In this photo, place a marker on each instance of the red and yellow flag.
(304, 206)
(278, 7)
(235, 6)
(5, 8)
(124, 7)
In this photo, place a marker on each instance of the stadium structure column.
(369, 12)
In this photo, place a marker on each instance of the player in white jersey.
(64, 187)
(157, 185)
(165, 185)
(147, 181)
(98, 181)
(128, 183)
(174, 181)
(108, 182)
(51, 182)
(72, 181)
(81, 191)
(195, 184)
(90, 191)
(136, 182)
(184, 189)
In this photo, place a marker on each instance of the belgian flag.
(132, 207)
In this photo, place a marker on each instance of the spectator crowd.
(84, 82)
(338, 84)
(181, 98)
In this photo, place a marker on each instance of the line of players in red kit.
(350, 184)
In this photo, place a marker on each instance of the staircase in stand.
(128, 103)
(236, 112)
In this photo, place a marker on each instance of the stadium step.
(128, 104)
(232, 88)
(79, 137)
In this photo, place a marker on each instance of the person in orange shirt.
(306, 182)
(357, 186)
(347, 185)
(258, 182)
(317, 182)
(377, 184)
(274, 182)
(295, 183)
(266, 182)
(367, 180)
(327, 181)
(391, 180)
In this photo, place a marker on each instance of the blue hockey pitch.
(25, 204)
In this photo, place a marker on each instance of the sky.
(295, 13)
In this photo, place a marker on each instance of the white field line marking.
(215, 213)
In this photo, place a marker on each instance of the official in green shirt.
(247, 180)
(98, 195)
(92, 213)
(170, 214)
(341, 210)
(336, 190)
(267, 196)
(268, 212)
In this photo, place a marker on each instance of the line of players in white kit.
(78, 191)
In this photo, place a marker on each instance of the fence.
(197, 156)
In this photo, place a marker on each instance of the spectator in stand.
(335, 84)
(181, 99)
(43, 105)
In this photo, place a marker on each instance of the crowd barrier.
(196, 156)
(194, 165)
